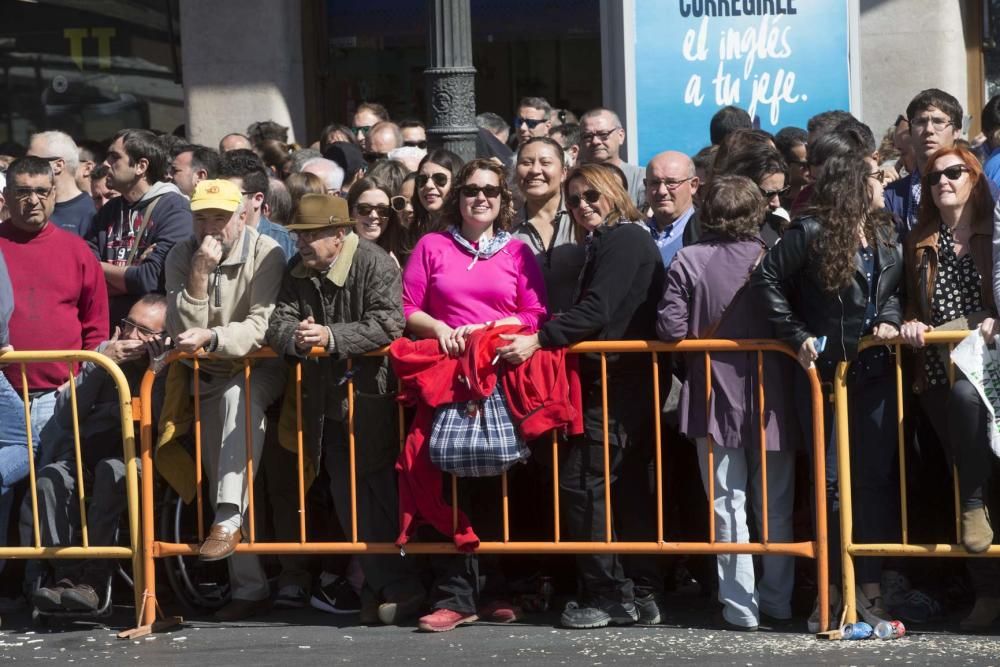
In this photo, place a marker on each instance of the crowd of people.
(817, 237)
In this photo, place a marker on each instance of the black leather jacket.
(787, 288)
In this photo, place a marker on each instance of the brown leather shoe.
(237, 610)
(219, 544)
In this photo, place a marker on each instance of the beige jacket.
(241, 296)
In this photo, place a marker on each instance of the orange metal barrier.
(816, 548)
(85, 550)
(849, 548)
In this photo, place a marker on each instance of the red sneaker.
(445, 620)
(501, 611)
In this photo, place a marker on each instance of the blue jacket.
(897, 202)
(280, 235)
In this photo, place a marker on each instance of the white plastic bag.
(981, 365)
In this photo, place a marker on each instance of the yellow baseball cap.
(317, 211)
(216, 194)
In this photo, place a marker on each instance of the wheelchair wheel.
(199, 586)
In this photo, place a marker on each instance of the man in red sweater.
(60, 303)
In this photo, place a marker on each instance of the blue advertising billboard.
(781, 60)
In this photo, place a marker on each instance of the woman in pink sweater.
(455, 282)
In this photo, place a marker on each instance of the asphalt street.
(310, 637)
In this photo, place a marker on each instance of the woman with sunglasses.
(375, 219)
(835, 276)
(619, 289)
(455, 282)
(763, 164)
(543, 222)
(949, 265)
(402, 202)
(433, 182)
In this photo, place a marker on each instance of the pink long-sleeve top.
(439, 282)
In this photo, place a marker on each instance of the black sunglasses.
(372, 156)
(573, 201)
(952, 173)
(415, 144)
(491, 191)
(381, 210)
(398, 202)
(770, 194)
(531, 123)
(439, 179)
(363, 129)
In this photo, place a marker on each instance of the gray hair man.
(328, 170)
(75, 209)
(602, 136)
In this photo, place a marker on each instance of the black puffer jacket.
(790, 294)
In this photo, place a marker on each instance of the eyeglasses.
(372, 156)
(127, 324)
(415, 144)
(490, 191)
(669, 184)
(532, 123)
(381, 210)
(936, 122)
(399, 202)
(362, 129)
(771, 194)
(24, 194)
(439, 179)
(573, 201)
(878, 175)
(587, 137)
(952, 173)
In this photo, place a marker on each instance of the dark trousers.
(874, 478)
(59, 516)
(377, 502)
(280, 468)
(608, 578)
(961, 420)
(465, 581)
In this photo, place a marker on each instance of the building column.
(450, 77)
(242, 62)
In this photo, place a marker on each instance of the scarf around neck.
(486, 248)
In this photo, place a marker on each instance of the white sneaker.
(835, 605)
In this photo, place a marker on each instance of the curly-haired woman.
(455, 282)
(836, 274)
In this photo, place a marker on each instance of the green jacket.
(360, 299)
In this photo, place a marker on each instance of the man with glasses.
(245, 170)
(367, 116)
(414, 134)
(221, 287)
(601, 139)
(80, 585)
(791, 142)
(533, 119)
(671, 183)
(74, 209)
(935, 120)
(133, 233)
(60, 303)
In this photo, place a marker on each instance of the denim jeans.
(14, 443)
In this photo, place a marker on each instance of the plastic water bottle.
(859, 630)
(889, 630)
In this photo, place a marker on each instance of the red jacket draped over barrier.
(543, 394)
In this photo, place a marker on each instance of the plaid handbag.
(476, 438)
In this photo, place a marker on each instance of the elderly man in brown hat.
(221, 286)
(343, 294)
